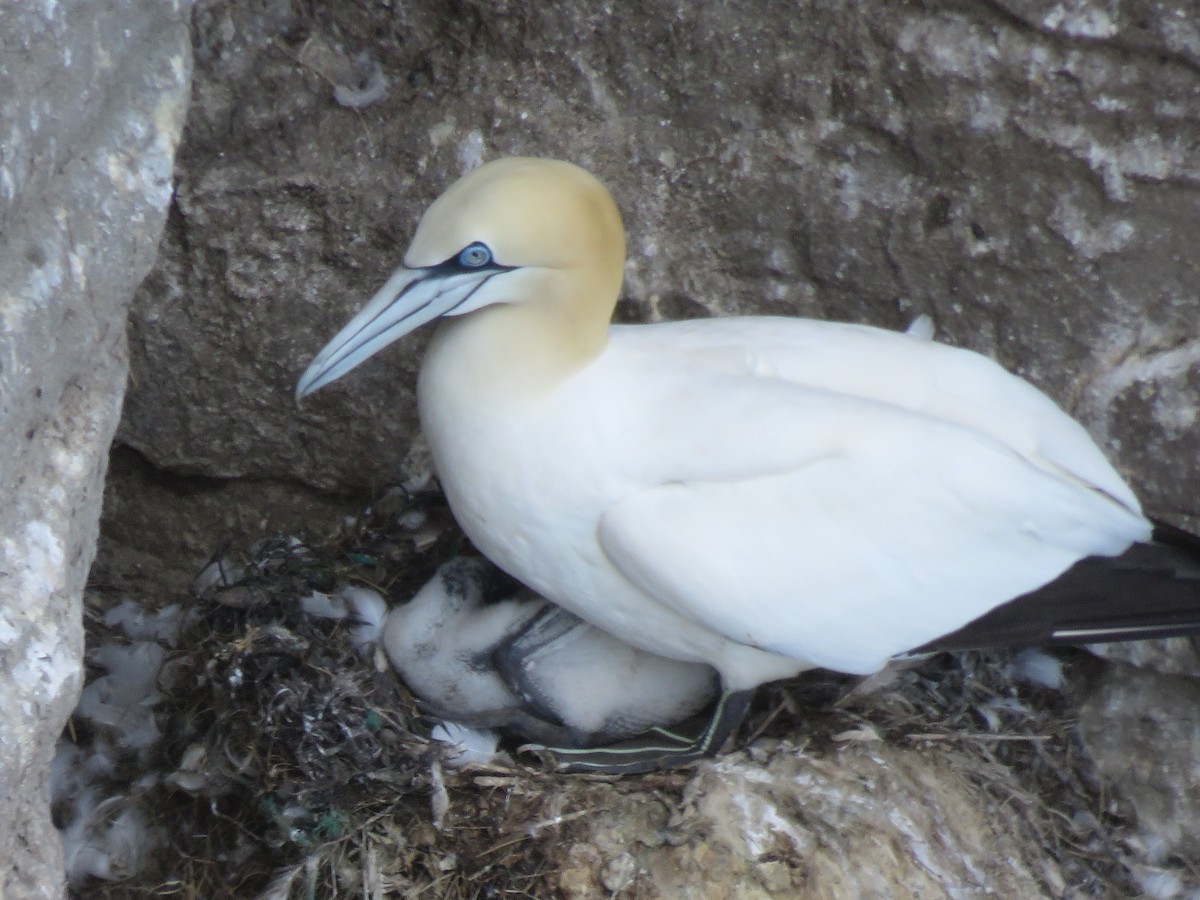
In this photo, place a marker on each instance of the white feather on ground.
(105, 833)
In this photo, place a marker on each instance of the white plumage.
(833, 494)
(518, 662)
(762, 494)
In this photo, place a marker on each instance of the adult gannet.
(766, 495)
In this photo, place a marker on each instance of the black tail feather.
(1152, 590)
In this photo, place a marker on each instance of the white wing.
(865, 363)
(845, 528)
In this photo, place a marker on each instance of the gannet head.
(539, 234)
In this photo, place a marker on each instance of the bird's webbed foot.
(659, 748)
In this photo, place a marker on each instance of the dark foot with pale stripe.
(660, 748)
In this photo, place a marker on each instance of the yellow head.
(538, 234)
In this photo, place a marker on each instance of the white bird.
(478, 658)
(766, 495)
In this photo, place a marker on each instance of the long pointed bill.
(410, 298)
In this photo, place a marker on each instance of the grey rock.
(1142, 728)
(1171, 656)
(91, 104)
(780, 821)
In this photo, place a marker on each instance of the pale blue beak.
(411, 298)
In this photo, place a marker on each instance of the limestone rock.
(1171, 656)
(1143, 730)
(91, 105)
(782, 822)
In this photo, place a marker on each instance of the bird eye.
(475, 256)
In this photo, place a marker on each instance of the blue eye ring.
(475, 256)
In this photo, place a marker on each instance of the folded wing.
(843, 530)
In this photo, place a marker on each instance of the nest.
(295, 767)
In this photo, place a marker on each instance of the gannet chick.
(442, 643)
(522, 664)
(763, 494)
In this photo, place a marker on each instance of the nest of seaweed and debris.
(291, 764)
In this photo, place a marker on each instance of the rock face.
(91, 105)
(781, 822)
(1143, 730)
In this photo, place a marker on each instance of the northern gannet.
(479, 658)
(766, 495)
